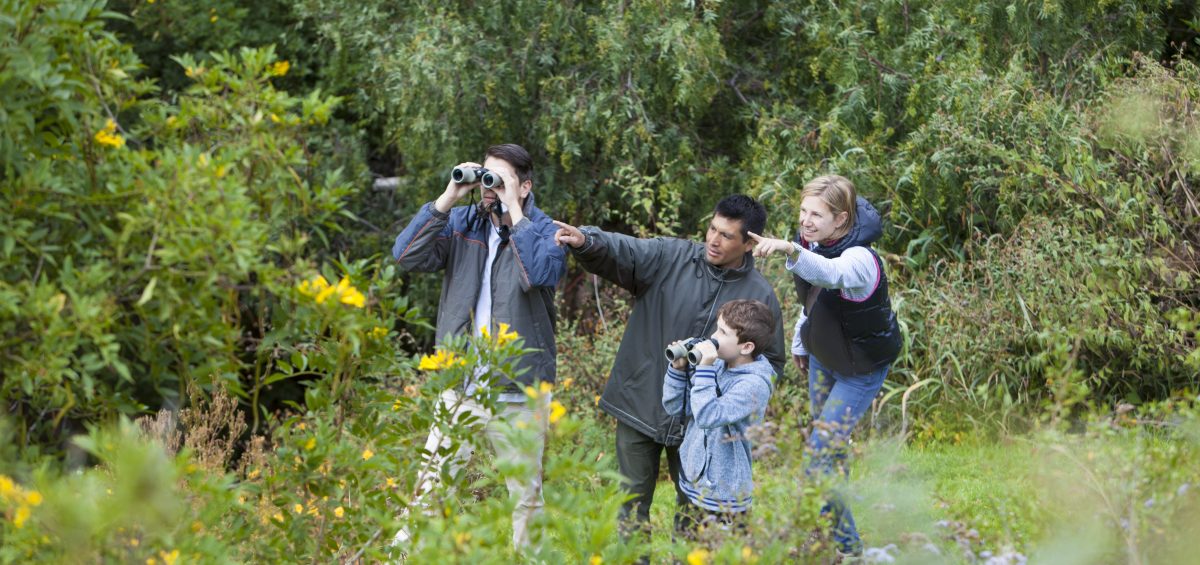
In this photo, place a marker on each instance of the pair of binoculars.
(468, 175)
(687, 348)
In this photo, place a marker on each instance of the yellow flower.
(698, 556)
(461, 538)
(567, 382)
(367, 454)
(597, 400)
(339, 512)
(281, 68)
(595, 560)
(505, 337)
(278, 516)
(275, 118)
(169, 558)
(34, 498)
(133, 542)
(6, 486)
(213, 19)
(354, 298)
(391, 483)
(442, 359)
(748, 555)
(396, 406)
(543, 389)
(21, 516)
(108, 136)
(193, 72)
(151, 561)
(557, 410)
(379, 332)
(253, 474)
(298, 508)
(310, 444)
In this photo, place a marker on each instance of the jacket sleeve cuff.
(676, 374)
(708, 372)
(435, 213)
(588, 240)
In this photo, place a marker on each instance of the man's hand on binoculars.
(455, 191)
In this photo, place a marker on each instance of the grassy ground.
(1063, 499)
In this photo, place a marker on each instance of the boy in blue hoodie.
(726, 394)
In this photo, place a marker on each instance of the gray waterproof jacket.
(676, 295)
(524, 276)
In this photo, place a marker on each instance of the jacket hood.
(867, 229)
(760, 367)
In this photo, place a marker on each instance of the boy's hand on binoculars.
(765, 245)
(681, 363)
(568, 234)
(708, 352)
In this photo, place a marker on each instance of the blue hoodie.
(715, 453)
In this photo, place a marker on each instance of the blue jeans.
(837, 402)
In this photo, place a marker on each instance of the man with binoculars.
(678, 286)
(501, 266)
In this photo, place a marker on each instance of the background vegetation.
(192, 225)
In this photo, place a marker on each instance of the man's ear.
(525, 188)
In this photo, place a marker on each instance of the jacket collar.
(724, 275)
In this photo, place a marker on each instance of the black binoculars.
(687, 348)
(468, 175)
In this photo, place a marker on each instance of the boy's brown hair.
(751, 320)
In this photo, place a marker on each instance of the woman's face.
(817, 221)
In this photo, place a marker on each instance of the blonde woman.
(847, 336)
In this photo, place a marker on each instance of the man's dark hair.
(741, 207)
(516, 156)
(751, 320)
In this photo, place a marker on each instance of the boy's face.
(729, 349)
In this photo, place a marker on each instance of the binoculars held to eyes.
(468, 175)
(687, 348)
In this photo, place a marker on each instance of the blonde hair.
(838, 193)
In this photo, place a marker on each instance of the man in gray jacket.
(501, 267)
(677, 286)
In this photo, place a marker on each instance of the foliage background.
(171, 175)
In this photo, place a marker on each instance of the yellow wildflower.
(108, 135)
(698, 556)
(280, 68)
(278, 516)
(391, 483)
(298, 508)
(595, 560)
(367, 454)
(310, 444)
(133, 542)
(213, 19)
(151, 561)
(396, 406)
(461, 538)
(253, 474)
(354, 298)
(567, 382)
(543, 389)
(505, 337)
(748, 555)
(312, 511)
(169, 558)
(275, 118)
(379, 332)
(339, 512)
(557, 410)
(21, 516)
(6, 486)
(442, 359)
(597, 401)
(34, 498)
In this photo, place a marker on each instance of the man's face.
(505, 170)
(725, 246)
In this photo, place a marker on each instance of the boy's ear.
(746, 348)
